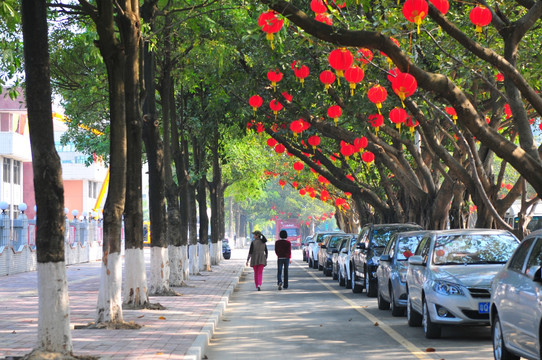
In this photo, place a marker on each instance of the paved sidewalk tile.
(182, 331)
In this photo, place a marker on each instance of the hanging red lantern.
(339, 202)
(500, 77)
(279, 148)
(275, 106)
(295, 184)
(271, 142)
(360, 143)
(302, 192)
(323, 180)
(507, 110)
(260, 127)
(324, 195)
(287, 96)
(404, 85)
(324, 18)
(327, 77)
(314, 141)
(415, 11)
(334, 112)
(480, 16)
(398, 116)
(298, 166)
(306, 124)
(392, 74)
(364, 56)
(411, 123)
(340, 60)
(353, 75)
(255, 101)
(451, 111)
(442, 5)
(347, 149)
(270, 24)
(301, 73)
(396, 42)
(376, 121)
(318, 6)
(368, 157)
(282, 183)
(250, 124)
(377, 95)
(297, 126)
(274, 76)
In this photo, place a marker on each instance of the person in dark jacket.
(283, 249)
(257, 256)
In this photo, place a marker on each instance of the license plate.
(483, 308)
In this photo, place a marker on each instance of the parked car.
(344, 274)
(314, 247)
(372, 240)
(335, 264)
(327, 249)
(226, 250)
(392, 269)
(304, 246)
(516, 303)
(449, 277)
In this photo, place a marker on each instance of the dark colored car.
(371, 242)
(325, 255)
(226, 250)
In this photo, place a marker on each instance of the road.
(317, 319)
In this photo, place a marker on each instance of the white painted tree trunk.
(176, 275)
(204, 258)
(109, 296)
(185, 264)
(159, 283)
(193, 259)
(135, 292)
(216, 253)
(54, 334)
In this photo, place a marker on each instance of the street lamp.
(4, 206)
(22, 207)
(75, 213)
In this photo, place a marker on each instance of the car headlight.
(446, 288)
(402, 275)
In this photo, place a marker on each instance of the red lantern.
(411, 123)
(327, 78)
(340, 60)
(442, 5)
(396, 42)
(364, 56)
(298, 166)
(294, 184)
(297, 127)
(287, 96)
(314, 141)
(353, 75)
(368, 157)
(334, 112)
(282, 183)
(480, 16)
(274, 77)
(279, 149)
(255, 101)
(275, 106)
(302, 192)
(318, 6)
(376, 121)
(500, 77)
(398, 116)
(360, 143)
(260, 127)
(404, 85)
(377, 95)
(324, 18)
(324, 195)
(323, 180)
(415, 11)
(451, 111)
(339, 202)
(270, 24)
(271, 142)
(347, 149)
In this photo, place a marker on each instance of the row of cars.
(448, 277)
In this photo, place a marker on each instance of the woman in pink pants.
(257, 255)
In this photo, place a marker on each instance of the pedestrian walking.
(257, 256)
(283, 249)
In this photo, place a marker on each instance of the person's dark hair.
(263, 238)
(283, 234)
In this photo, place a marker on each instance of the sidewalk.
(182, 331)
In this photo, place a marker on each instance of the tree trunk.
(135, 279)
(54, 334)
(203, 246)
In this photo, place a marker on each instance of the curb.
(199, 346)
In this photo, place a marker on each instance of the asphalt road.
(317, 319)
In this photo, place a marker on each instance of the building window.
(92, 189)
(16, 172)
(5, 122)
(7, 170)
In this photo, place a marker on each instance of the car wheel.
(430, 329)
(304, 257)
(370, 286)
(382, 304)
(395, 310)
(341, 279)
(309, 262)
(414, 318)
(500, 352)
(355, 287)
(320, 267)
(334, 274)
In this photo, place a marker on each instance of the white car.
(516, 303)
(449, 277)
(318, 239)
(344, 259)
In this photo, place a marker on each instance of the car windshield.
(382, 235)
(334, 241)
(473, 249)
(406, 246)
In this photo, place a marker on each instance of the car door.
(358, 255)
(416, 274)
(384, 269)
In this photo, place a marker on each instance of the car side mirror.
(415, 260)
(385, 257)
(535, 273)
(344, 250)
(360, 246)
(323, 246)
